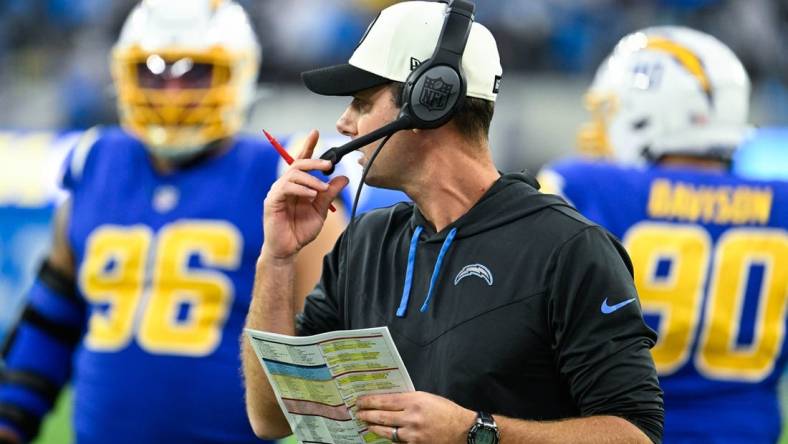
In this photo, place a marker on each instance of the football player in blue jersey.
(142, 299)
(709, 248)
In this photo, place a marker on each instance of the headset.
(434, 90)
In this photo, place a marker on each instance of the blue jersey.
(371, 198)
(710, 253)
(165, 263)
(29, 165)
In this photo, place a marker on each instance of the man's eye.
(359, 104)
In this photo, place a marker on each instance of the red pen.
(286, 156)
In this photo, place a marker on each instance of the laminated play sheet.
(317, 379)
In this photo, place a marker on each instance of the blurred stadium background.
(55, 82)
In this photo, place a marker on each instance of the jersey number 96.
(142, 286)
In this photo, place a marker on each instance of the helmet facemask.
(593, 139)
(177, 102)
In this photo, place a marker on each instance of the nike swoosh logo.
(607, 309)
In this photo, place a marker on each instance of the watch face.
(485, 436)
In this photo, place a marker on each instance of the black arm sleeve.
(37, 358)
(602, 341)
(323, 307)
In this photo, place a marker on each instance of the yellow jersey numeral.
(677, 297)
(113, 274)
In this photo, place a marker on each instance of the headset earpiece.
(436, 89)
(432, 95)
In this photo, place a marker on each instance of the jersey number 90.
(708, 331)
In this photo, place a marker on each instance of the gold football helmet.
(185, 72)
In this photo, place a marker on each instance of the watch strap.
(483, 421)
(486, 419)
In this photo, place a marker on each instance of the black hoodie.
(532, 311)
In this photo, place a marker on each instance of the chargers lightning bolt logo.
(477, 270)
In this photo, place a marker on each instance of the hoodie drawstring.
(403, 305)
(403, 302)
(436, 271)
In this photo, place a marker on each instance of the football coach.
(516, 317)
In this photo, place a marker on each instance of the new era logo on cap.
(497, 84)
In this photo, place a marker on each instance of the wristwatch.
(484, 431)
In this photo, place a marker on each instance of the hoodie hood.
(511, 197)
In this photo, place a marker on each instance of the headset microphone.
(336, 154)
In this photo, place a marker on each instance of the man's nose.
(346, 125)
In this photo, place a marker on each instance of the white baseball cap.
(397, 41)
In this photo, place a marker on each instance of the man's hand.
(419, 417)
(297, 203)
